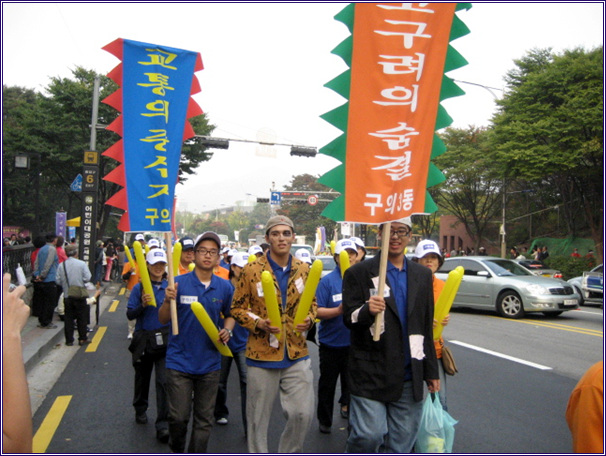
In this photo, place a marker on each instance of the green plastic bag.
(436, 433)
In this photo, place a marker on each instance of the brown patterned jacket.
(247, 307)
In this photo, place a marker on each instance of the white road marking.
(500, 355)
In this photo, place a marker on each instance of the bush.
(569, 266)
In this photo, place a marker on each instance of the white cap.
(303, 255)
(139, 237)
(427, 246)
(156, 255)
(231, 252)
(240, 259)
(345, 244)
(254, 249)
(405, 221)
(224, 250)
(153, 243)
(359, 242)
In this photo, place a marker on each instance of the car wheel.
(509, 305)
(578, 291)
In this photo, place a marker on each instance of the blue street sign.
(76, 184)
(275, 198)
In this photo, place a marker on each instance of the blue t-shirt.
(147, 317)
(399, 288)
(191, 351)
(329, 294)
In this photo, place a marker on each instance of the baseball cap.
(208, 235)
(231, 252)
(153, 243)
(405, 221)
(303, 255)
(254, 249)
(427, 246)
(240, 259)
(224, 250)
(345, 244)
(359, 242)
(155, 256)
(187, 243)
(279, 220)
(139, 237)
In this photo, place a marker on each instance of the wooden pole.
(382, 275)
(171, 282)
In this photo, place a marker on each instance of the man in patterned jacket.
(277, 358)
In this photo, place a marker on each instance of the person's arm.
(16, 409)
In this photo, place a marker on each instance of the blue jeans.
(386, 427)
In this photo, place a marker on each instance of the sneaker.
(141, 418)
(69, 344)
(90, 330)
(222, 421)
(324, 429)
(130, 336)
(162, 435)
(82, 342)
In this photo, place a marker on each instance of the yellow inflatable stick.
(271, 300)
(333, 246)
(446, 298)
(130, 258)
(143, 272)
(192, 266)
(210, 328)
(252, 258)
(308, 292)
(146, 249)
(176, 257)
(344, 262)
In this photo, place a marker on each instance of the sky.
(265, 66)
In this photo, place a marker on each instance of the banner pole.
(386, 234)
(171, 282)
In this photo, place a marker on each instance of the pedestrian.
(110, 255)
(427, 253)
(575, 253)
(333, 336)
(237, 345)
(585, 411)
(303, 255)
(98, 263)
(224, 263)
(187, 255)
(256, 250)
(361, 249)
(590, 259)
(45, 273)
(61, 257)
(193, 363)
(73, 275)
(17, 436)
(386, 377)
(149, 344)
(277, 358)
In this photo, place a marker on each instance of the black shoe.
(82, 342)
(344, 412)
(141, 418)
(162, 435)
(324, 429)
(69, 344)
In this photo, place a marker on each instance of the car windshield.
(506, 268)
(328, 263)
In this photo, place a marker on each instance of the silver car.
(587, 298)
(507, 287)
(328, 264)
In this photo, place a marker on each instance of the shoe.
(82, 342)
(90, 330)
(222, 421)
(162, 435)
(49, 326)
(69, 344)
(130, 336)
(324, 429)
(141, 418)
(344, 412)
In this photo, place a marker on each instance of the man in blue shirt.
(333, 336)
(45, 273)
(193, 362)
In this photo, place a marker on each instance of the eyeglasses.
(277, 234)
(401, 233)
(204, 252)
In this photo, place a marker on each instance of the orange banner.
(399, 50)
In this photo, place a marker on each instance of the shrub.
(569, 266)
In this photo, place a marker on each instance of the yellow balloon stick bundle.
(146, 249)
(130, 258)
(308, 292)
(446, 298)
(143, 272)
(344, 262)
(333, 245)
(192, 266)
(252, 258)
(210, 328)
(176, 257)
(271, 300)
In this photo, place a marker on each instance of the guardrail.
(15, 256)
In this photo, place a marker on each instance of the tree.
(549, 131)
(472, 190)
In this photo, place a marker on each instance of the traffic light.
(262, 200)
(301, 151)
(214, 143)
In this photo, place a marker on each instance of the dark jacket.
(376, 369)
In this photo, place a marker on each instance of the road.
(509, 396)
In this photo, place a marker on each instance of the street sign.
(312, 200)
(275, 198)
(76, 184)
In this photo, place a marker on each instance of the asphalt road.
(511, 404)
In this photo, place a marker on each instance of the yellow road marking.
(114, 306)
(589, 332)
(92, 347)
(49, 426)
(122, 291)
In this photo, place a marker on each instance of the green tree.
(549, 132)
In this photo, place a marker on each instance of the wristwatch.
(229, 331)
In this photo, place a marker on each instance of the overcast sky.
(265, 67)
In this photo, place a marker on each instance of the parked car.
(295, 247)
(590, 296)
(328, 263)
(539, 269)
(508, 288)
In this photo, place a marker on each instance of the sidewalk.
(37, 342)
